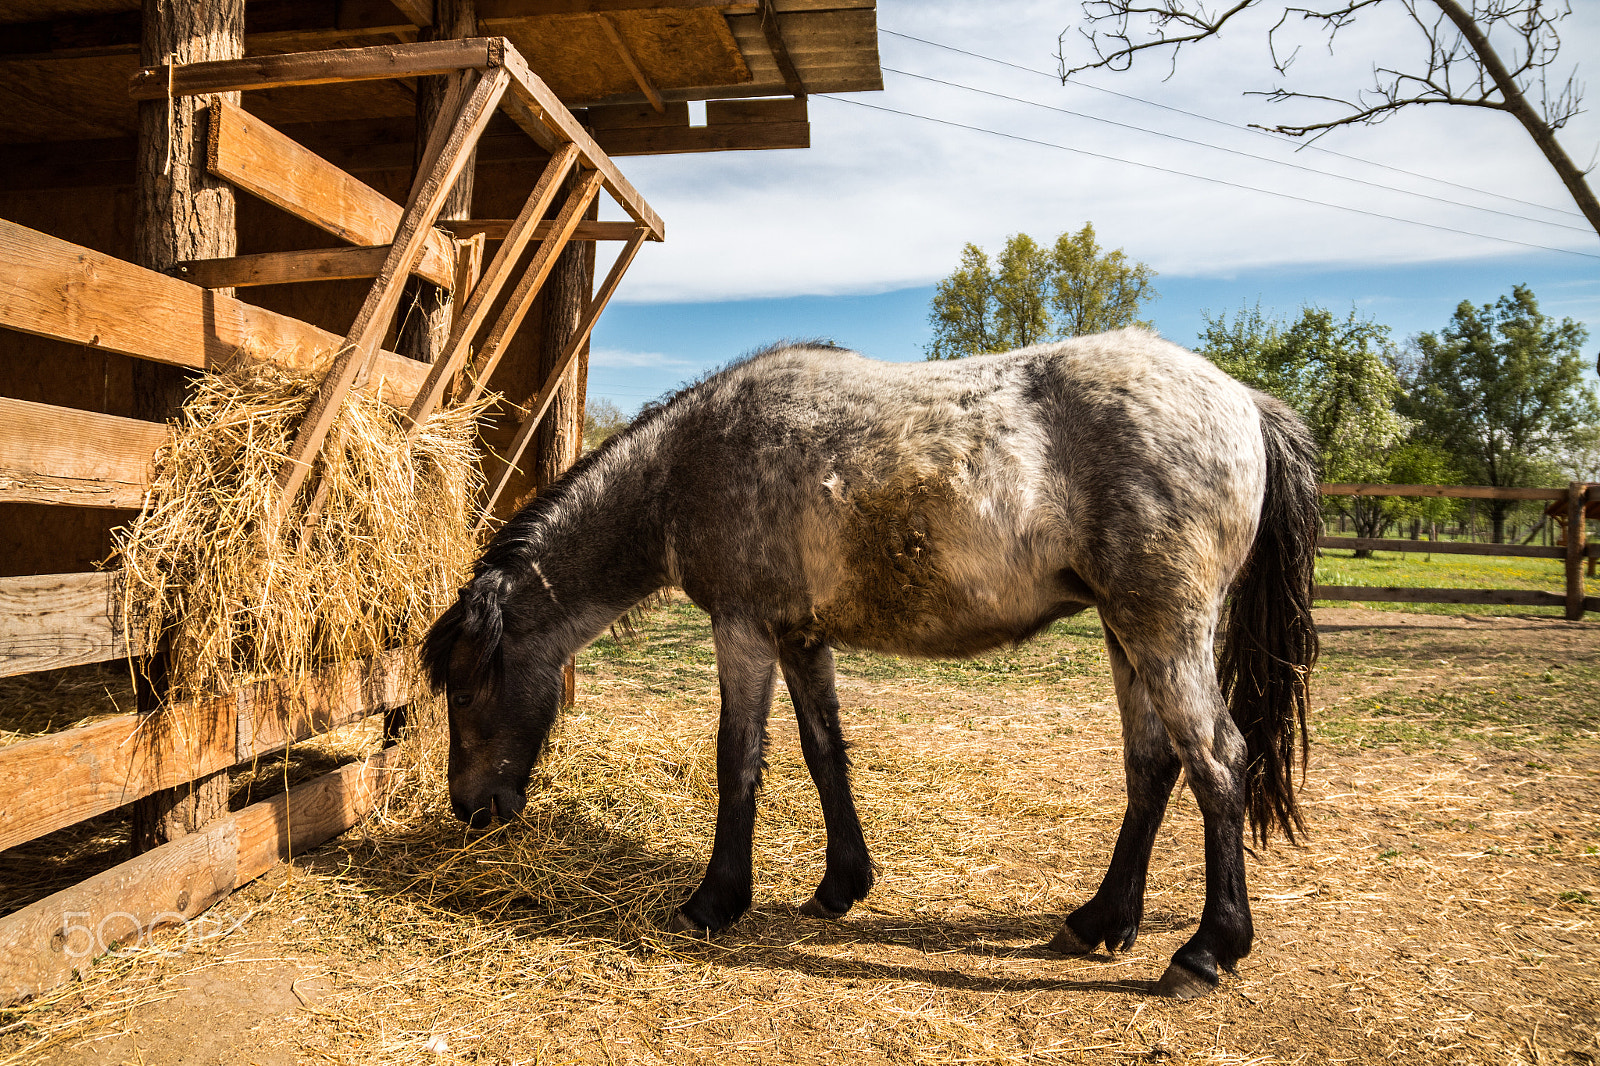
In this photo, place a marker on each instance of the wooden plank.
(450, 147)
(53, 781)
(466, 324)
(1577, 533)
(375, 63)
(631, 116)
(522, 9)
(65, 456)
(539, 267)
(1515, 597)
(44, 944)
(552, 382)
(549, 110)
(285, 268)
(746, 137)
(629, 60)
(1441, 547)
(1463, 492)
(496, 229)
(53, 288)
(258, 159)
(54, 620)
(735, 112)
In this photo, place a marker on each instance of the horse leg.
(745, 673)
(1185, 694)
(1150, 765)
(808, 671)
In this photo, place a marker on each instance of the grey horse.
(808, 498)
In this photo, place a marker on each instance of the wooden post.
(1577, 533)
(565, 296)
(182, 213)
(426, 318)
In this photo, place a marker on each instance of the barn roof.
(627, 67)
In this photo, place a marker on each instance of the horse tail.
(477, 616)
(1270, 640)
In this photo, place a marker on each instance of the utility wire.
(1233, 125)
(1236, 151)
(1203, 177)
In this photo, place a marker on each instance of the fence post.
(1577, 498)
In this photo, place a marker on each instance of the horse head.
(503, 697)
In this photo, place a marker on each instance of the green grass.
(1420, 570)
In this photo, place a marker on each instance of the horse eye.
(460, 699)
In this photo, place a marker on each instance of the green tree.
(1031, 293)
(601, 419)
(1501, 389)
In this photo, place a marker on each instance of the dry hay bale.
(232, 598)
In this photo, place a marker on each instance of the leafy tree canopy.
(1032, 293)
(601, 419)
(1501, 390)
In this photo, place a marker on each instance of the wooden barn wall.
(37, 539)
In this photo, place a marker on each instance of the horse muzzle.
(479, 809)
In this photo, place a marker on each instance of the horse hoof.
(1070, 943)
(815, 908)
(1180, 982)
(684, 927)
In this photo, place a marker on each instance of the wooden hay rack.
(59, 456)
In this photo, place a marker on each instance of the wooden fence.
(59, 456)
(1574, 553)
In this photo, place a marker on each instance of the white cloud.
(881, 201)
(621, 359)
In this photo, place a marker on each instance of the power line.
(1206, 178)
(1234, 151)
(1234, 125)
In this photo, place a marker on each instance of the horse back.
(946, 508)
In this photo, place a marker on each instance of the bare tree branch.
(1462, 66)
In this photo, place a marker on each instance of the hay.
(230, 599)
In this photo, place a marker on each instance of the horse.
(808, 498)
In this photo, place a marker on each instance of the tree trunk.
(425, 315)
(1498, 509)
(181, 212)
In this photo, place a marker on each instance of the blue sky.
(845, 240)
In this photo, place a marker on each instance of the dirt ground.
(1444, 908)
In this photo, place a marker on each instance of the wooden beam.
(284, 268)
(523, 9)
(53, 288)
(1465, 492)
(548, 110)
(1512, 597)
(779, 48)
(57, 780)
(257, 158)
(539, 267)
(450, 148)
(1440, 547)
(541, 402)
(55, 620)
(640, 78)
(419, 12)
(376, 63)
(496, 229)
(61, 455)
(465, 325)
(44, 944)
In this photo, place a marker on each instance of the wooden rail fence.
(1575, 553)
